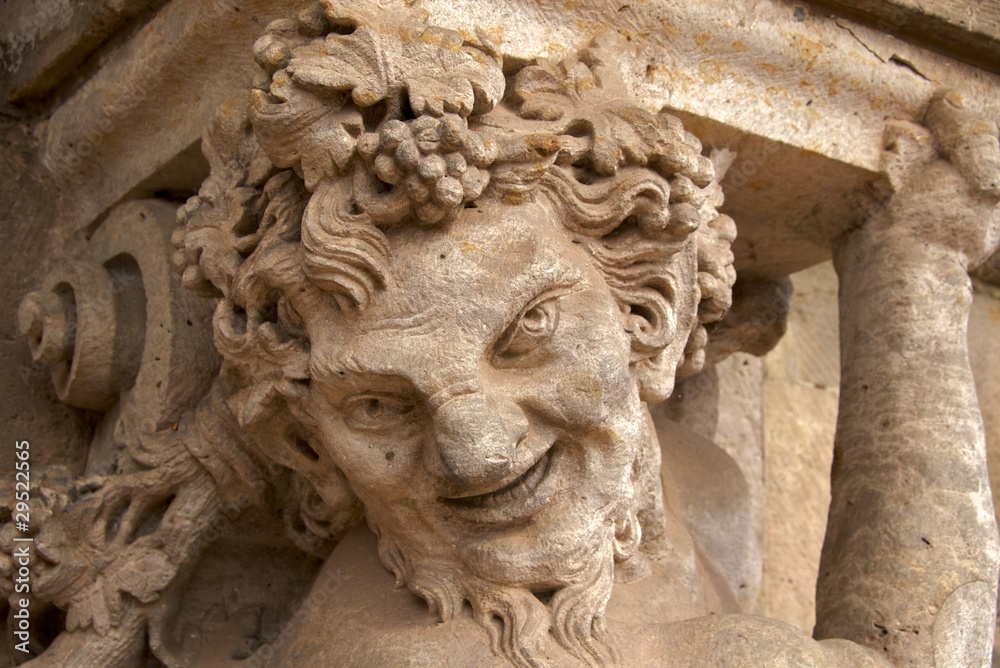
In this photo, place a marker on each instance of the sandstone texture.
(370, 332)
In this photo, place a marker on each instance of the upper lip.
(530, 475)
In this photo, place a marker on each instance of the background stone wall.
(801, 377)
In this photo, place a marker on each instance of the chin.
(523, 599)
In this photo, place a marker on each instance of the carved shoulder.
(744, 641)
(354, 616)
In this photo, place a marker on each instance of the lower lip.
(515, 505)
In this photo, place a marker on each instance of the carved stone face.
(483, 406)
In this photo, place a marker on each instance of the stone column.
(910, 562)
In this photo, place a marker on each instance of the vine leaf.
(142, 572)
(617, 132)
(305, 131)
(348, 63)
(91, 609)
(303, 118)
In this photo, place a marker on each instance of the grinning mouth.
(517, 489)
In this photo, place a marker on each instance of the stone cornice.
(800, 96)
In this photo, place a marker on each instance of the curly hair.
(351, 130)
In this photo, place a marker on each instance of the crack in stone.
(896, 59)
(860, 41)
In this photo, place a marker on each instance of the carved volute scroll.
(121, 337)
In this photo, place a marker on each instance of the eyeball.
(371, 411)
(533, 327)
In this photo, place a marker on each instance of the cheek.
(580, 397)
(587, 390)
(373, 466)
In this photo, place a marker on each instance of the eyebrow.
(564, 282)
(338, 366)
(567, 274)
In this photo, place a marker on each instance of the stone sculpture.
(446, 287)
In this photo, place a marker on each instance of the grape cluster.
(438, 162)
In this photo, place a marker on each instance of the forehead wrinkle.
(518, 292)
(382, 344)
(545, 269)
(430, 373)
(421, 322)
(468, 260)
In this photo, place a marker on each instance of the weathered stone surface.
(453, 260)
(803, 375)
(801, 102)
(28, 406)
(724, 405)
(799, 437)
(905, 296)
(984, 356)
(809, 354)
(114, 132)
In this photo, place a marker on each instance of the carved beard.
(517, 620)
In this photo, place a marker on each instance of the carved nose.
(475, 439)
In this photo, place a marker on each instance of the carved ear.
(660, 320)
(651, 320)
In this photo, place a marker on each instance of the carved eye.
(371, 411)
(532, 328)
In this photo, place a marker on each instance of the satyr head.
(447, 291)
